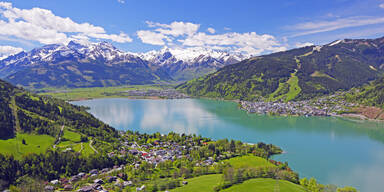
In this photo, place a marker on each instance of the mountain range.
(101, 64)
(186, 64)
(295, 74)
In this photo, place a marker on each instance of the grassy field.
(202, 184)
(68, 138)
(95, 92)
(87, 150)
(266, 185)
(294, 88)
(206, 183)
(34, 144)
(73, 140)
(288, 90)
(249, 161)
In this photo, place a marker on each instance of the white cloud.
(186, 35)
(381, 5)
(6, 5)
(8, 50)
(120, 38)
(121, 1)
(211, 30)
(175, 28)
(308, 28)
(247, 43)
(298, 44)
(166, 32)
(43, 26)
(151, 37)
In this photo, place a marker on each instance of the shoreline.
(349, 116)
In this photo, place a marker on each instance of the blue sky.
(246, 26)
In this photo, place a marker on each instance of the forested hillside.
(24, 112)
(370, 95)
(295, 74)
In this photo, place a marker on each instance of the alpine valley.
(187, 96)
(101, 64)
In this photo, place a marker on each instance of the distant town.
(323, 106)
(161, 93)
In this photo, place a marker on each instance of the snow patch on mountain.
(336, 42)
(173, 60)
(190, 56)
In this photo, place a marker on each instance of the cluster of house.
(290, 108)
(156, 152)
(325, 106)
(66, 184)
(164, 93)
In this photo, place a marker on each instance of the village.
(153, 153)
(160, 151)
(161, 93)
(322, 106)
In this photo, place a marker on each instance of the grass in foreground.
(249, 161)
(204, 183)
(34, 144)
(266, 185)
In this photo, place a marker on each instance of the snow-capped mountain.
(185, 64)
(102, 64)
(102, 51)
(78, 65)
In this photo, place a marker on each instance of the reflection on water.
(333, 150)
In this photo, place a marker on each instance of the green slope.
(34, 144)
(39, 120)
(204, 183)
(371, 94)
(249, 161)
(295, 74)
(266, 185)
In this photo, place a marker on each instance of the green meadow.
(249, 161)
(33, 144)
(266, 185)
(204, 183)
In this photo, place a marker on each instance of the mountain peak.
(106, 45)
(76, 45)
(165, 49)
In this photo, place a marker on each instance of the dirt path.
(90, 144)
(17, 123)
(14, 112)
(60, 134)
(82, 147)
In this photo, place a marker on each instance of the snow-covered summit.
(172, 60)
(190, 56)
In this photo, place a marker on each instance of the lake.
(333, 150)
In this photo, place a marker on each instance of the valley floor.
(332, 105)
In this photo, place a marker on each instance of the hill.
(22, 112)
(295, 74)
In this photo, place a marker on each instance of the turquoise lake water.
(333, 150)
